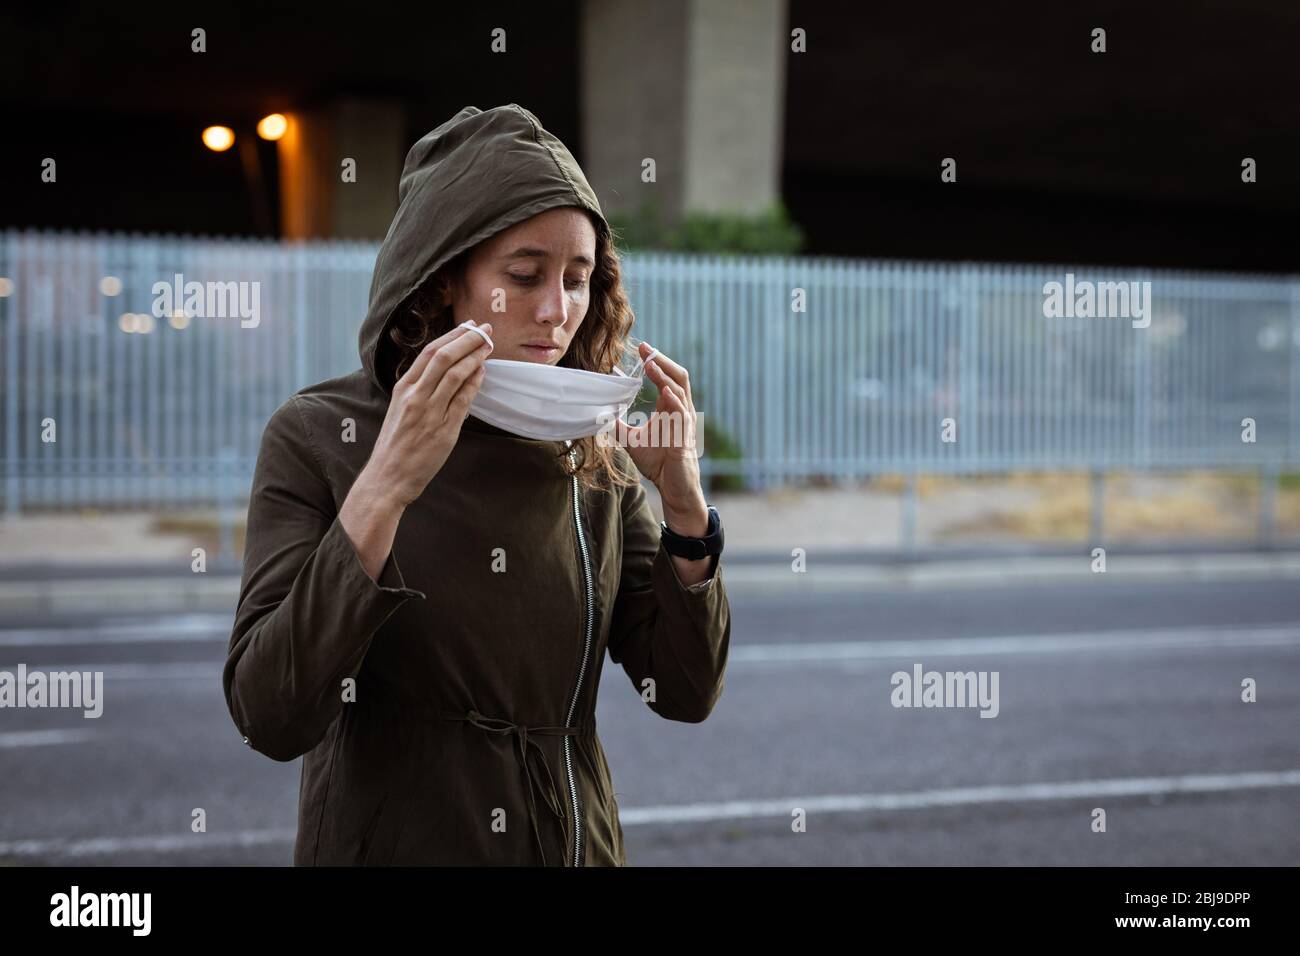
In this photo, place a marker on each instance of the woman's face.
(533, 283)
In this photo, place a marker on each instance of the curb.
(110, 595)
(83, 592)
(1000, 571)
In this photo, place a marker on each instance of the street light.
(272, 127)
(218, 138)
(221, 138)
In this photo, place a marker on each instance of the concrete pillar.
(698, 86)
(315, 202)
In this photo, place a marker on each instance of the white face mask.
(550, 402)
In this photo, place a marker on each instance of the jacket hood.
(475, 175)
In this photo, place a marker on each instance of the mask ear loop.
(640, 367)
(474, 328)
(640, 362)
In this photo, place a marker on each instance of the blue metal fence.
(811, 366)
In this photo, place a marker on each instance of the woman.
(427, 597)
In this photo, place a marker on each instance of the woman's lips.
(545, 351)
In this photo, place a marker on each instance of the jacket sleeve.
(674, 634)
(307, 608)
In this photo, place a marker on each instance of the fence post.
(1269, 476)
(967, 410)
(776, 468)
(226, 507)
(9, 335)
(908, 532)
(301, 338)
(1097, 516)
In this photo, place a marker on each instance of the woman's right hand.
(422, 424)
(428, 406)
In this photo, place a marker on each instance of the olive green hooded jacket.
(446, 712)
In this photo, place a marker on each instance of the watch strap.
(691, 548)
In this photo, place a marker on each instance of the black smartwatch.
(694, 549)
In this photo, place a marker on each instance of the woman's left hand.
(664, 448)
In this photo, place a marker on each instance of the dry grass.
(1049, 506)
(928, 486)
(202, 529)
(1058, 506)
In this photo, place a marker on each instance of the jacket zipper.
(582, 671)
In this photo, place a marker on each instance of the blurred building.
(844, 112)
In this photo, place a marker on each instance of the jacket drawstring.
(550, 794)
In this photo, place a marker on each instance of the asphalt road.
(1115, 695)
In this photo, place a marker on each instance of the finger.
(675, 372)
(678, 435)
(660, 377)
(458, 409)
(422, 360)
(448, 355)
(453, 379)
(645, 352)
(481, 331)
(675, 403)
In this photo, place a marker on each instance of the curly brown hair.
(599, 343)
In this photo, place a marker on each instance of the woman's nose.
(554, 304)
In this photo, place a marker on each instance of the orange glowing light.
(272, 127)
(218, 138)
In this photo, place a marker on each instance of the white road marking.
(795, 652)
(1006, 570)
(135, 671)
(1069, 643)
(729, 810)
(44, 738)
(175, 629)
(960, 796)
(168, 843)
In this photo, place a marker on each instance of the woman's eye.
(572, 284)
